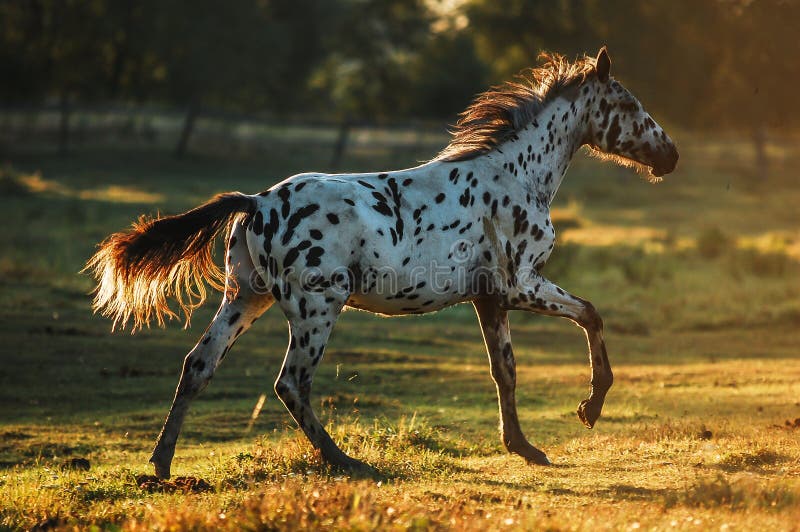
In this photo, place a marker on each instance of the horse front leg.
(497, 336)
(542, 296)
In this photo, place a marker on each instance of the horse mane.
(496, 115)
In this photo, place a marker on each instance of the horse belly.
(396, 300)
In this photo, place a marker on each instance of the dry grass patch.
(738, 493)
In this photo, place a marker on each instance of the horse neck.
(538, 156)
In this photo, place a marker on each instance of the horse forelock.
(498, 113)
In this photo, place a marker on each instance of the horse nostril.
(674, 156)
(666, 160)
(670, 158)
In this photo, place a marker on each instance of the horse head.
(621, 130)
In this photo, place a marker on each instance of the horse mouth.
(660, 171)
(665, 164)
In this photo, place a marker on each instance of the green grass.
(696, 278)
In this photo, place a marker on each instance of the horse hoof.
(539, 459)
(588, 413)
(162, 471)
(531, 454)
(354, 467)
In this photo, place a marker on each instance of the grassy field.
(698, 280)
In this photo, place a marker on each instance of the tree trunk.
(63, 125)
(186, 132)
(120, 48)
(340, 147)
(760, 145)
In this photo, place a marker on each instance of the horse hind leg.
(240, 307)
(311, 319)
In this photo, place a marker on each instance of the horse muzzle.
(665, 162)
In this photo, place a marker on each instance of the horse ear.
(603, 64)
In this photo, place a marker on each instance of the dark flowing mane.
(497, 114)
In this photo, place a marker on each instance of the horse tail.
(137, 270)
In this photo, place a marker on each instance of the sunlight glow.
(448, 15)
(111, 193)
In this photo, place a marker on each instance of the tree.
(365, 75)
(246, 55)
(50, 50)
(249, 55)
(510, 34)
(446, 75)
(721, 63)
(753, 82)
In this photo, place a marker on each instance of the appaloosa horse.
(472, 225)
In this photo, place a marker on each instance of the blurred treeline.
(700, 64)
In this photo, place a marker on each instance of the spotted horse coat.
(471, 225)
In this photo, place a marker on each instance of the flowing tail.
(137, 270)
